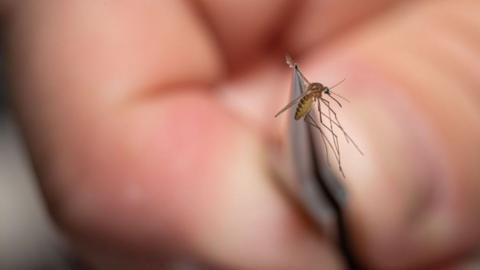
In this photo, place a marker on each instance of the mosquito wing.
(295, 100)
(298, 85)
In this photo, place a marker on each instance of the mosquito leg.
(333, 121)
(323, 124)
(327, 103)
(327, 156)
(340, 96)
(334, 136)
(319, 112)
(336, 100)
(327, 127)
(323, 139)
(345, 134)
(336, 122)
(309, 119)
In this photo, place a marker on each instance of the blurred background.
(28, 239)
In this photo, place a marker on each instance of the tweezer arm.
(321, 194)
(305, 163)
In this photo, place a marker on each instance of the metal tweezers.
(321, 193)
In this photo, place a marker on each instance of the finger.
(245, 29)
(413, 83)
(317, 22)
(248, 29)
(134, 154)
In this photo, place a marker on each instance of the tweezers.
(322, 195)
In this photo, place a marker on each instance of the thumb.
(412, 76)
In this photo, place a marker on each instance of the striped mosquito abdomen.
(305, 104)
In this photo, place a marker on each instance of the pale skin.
(149, 124)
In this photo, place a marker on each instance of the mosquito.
(315, 94)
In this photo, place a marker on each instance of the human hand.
(148, 124)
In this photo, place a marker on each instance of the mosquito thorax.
(316, 86)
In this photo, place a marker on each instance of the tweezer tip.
(289, 61)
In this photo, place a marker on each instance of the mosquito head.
(326, 90)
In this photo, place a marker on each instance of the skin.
(150, 126)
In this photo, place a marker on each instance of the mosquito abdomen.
(304, 106)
